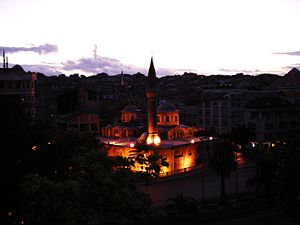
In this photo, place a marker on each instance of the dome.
(131, 108)
(18, 68)
(166, 107)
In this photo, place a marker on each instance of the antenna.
(3, 59)
(6, 62)
(95, 52)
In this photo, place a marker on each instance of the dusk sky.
(201, 36)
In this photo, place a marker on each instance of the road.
(200, 184)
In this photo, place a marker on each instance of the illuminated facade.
(164, 134)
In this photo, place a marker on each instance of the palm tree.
(223, 161)
(241, 135)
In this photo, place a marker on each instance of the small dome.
(131, 108)
(18, 68)
(166, 107)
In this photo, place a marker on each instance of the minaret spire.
(6, 62)
(151, 91)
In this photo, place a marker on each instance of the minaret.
(151, 92)
(3, 59)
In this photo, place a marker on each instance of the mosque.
(163, 134)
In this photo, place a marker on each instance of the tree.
(288, 178)
(241, 135)
(223, 161)
(278, 178)
(86, 190)
(152, 164)
(265, 177)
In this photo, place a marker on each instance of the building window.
(281, 125)
(252, 126)
(167, 118)
(132, 117)
(266, 115)
(116, 133)
(92, 95)
(176, 118)
(158, 118)
(94, 126)
(254, 115)
(269, 126)
(293, 124)
(125, 133)
(73, 126)
(178, 153)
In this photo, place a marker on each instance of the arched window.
(175, 118)
(178, 134)
(125, 133)
(116, 133)
(167, 119)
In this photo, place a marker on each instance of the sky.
(200, 36)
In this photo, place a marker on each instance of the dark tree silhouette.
(223, 161)
(265, 178)
(241, 135)
(85, 191)
(289, 180)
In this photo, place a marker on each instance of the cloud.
(240, 71)
(41, 49)
(108, 65)
(98, 65)
(48, 70)
(287, 68)
(297, 53)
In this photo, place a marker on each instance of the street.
(200, 184)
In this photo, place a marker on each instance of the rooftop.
(127, 142)
(131, 108)
(14, 73)
(268, 103)
(166, 107)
